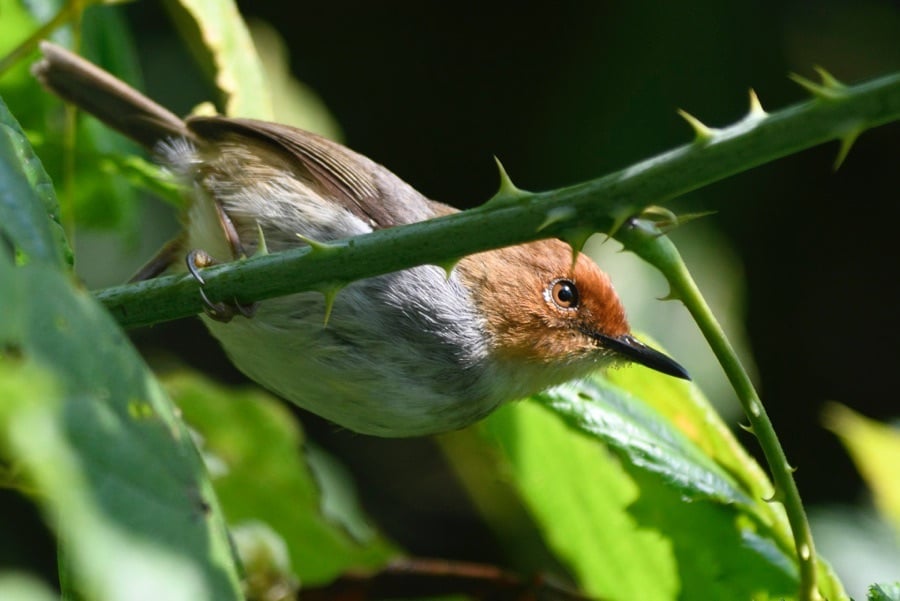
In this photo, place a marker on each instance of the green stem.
(75, 9)
(644, 239)
(514, 216)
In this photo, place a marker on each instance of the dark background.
(568, 91)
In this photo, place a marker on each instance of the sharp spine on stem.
(316, 246)
(702, 132)
(829, 89)
(756, 108)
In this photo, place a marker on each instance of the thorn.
(666, 226)
(576, 239)
(847, 142)
(829, 89)
(702, 133)
(776, 497)
(330, 293)
(688, 217)
(557, 215)
(506, 185)
(262, 248)
(661, 216)
(671, 295)
(811, 87)
(829, 80)
(507, 190)
(316, 246)
(666, 220)
(746, 428)
(448, 266)
(756, 109)
(620, 218)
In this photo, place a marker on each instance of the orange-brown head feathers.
(540, 307)
(538, 304)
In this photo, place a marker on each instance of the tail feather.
(121, 107)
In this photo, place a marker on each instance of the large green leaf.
(117, 473)
(262, 474)
(620, 493)
(578, 495)
(685, 407)
(631, 427)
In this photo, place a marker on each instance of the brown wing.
(363, 187)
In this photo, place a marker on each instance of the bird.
(410, 353)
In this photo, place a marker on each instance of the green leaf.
(250, 438)
(578, 495)
(875, 449)
(884, 592)
(118, 474)
(218, 38)
(26, 200)
(82, 417)
(685, 407)
(23, 588)
(629, 426)
(619, 493)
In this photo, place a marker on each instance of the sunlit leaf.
(578, 495)
(875, 449)
(619, 493)
(884, 592)
(686, 408)
(220, 41)
(625, 423)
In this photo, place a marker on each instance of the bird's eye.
(564, 294)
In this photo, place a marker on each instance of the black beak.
(630, 348)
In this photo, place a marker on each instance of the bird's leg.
(197, 259)
(220, 311)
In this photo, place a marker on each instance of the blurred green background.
(800, 261)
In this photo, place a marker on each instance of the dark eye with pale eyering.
(563, 293)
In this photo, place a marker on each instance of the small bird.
(408, 353)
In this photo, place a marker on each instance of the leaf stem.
(648, 242)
